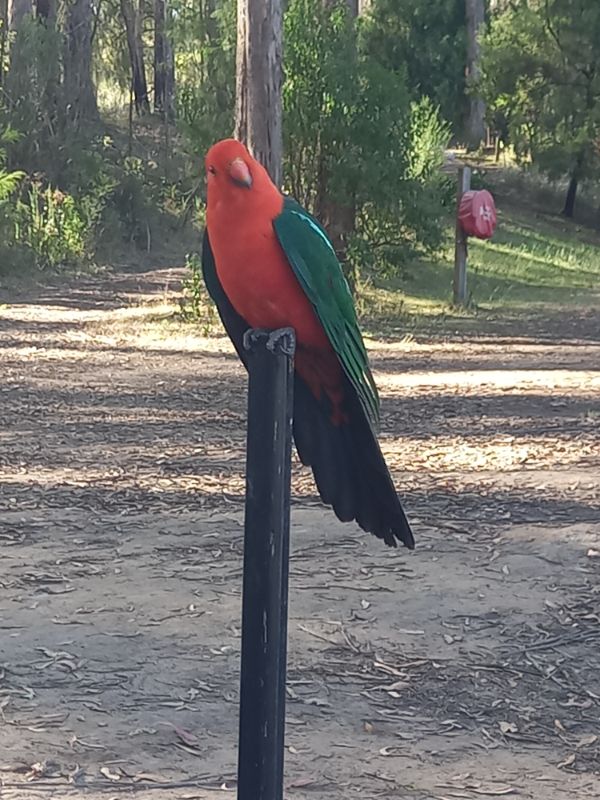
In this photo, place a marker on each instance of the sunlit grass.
(113, 101)
(533, 259)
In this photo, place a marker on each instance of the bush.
(195, 305)
(205, 67)
(357, 150)
(42, 226)
(8, 180)
(53, 227)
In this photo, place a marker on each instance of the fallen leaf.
(392, 750)
(301, 783)
(568, 762)
(507, 727)
(586, 741)
(185, 736)
(394, 687)
(112, 776)
(151, 777)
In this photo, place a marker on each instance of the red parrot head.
(236, 181)
(229, 166)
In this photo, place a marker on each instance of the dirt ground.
(469, 668)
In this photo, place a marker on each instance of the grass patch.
(534, 259)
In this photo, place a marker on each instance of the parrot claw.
(283, 339)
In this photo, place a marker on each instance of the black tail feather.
(348, 465)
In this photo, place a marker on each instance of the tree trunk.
(79, 88)
(475, 16)
(133, 17)
(3, 37)
(258, 82)
(45, 10)
(17, 11)
(340, 222)
(569, 207)
(164, 65)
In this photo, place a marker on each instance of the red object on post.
(477, 214)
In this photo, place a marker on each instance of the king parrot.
(269, 264)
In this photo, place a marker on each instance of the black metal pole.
(266, 553)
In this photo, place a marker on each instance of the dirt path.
(467, 669)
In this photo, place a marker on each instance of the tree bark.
(475, 16)
(133, 17)
(569, 207)
(79, 88)
(45, 10)
(259, 79)
(3, 37)
(164, 64)
(339, 219)
(17, 11)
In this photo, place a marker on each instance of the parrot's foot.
(283, 339)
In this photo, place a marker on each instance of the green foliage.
(195, 305)
(360, 142)
(353, 138)
(320, 98)
(541, 73)
(53, 227)
(426, 40)
(9, 181)
(31, 99)
(57, 227)
(205, 67)
(111, 57)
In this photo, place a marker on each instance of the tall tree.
(133, 17)
(164, 63)
(475, 128)
(425, 40)
(259, 78)
(541, 70)
(80, 92)
(339, 217)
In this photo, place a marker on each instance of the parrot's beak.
(240, 174)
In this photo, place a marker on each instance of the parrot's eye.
(212, 170)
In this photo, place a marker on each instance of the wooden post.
(459, 285)
(266, 553)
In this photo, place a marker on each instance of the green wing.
(315, 264)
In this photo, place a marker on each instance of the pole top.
(283, 340)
